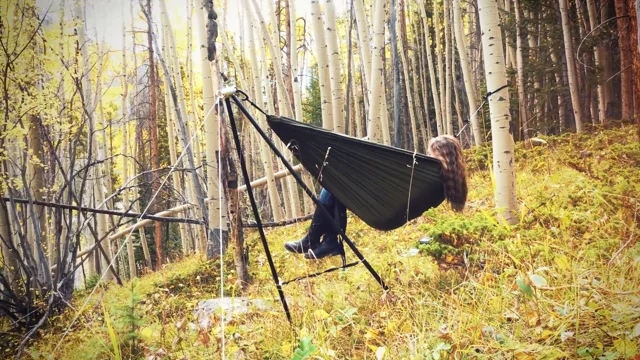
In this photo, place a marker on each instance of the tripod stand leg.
(254, 208)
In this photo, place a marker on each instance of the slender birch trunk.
(337, 92)
(442, 126)
(409, 94)
(296, 84)
(136, 205)
(84, 65)
(378, 126)
(469, 83)
(503, 145)
(562, 116)
(571, 66)
(593, 21)
(125, 144)
(432, 73)
(322, 56)
(363, 37)
(449, 69)
(217, 206)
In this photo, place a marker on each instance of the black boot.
(330, 246)
(319, 226)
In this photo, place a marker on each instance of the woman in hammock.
(445, 148)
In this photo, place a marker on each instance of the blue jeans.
(330, 202)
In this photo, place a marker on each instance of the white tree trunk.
(297, 85)
(448, 71)
(217, 207)
(593, 21)
(337, 92)
(136, 206)
(442, 126)
(503, 145)
(408, 89)
(571, 66)
(469, 83)
(125, 144)
(363, 37)
(378, 126)
(322, 56)
(562, 116)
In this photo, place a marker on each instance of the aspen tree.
(335, 74)
(378, 126)
(125, 143)
(503, 145)
(432, 73)
(522, 97)
(602, 106)
(136, 205)
(469, 83)
(571, 66)
(322, 57)
(216, 207)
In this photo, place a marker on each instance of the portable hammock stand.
(410, 185)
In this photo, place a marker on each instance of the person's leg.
(320, 224)
(330, 246)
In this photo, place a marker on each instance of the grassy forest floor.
(564, 283)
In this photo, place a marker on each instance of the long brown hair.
(448, 150)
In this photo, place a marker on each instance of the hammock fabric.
(383, 185)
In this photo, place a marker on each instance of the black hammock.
(383, 185)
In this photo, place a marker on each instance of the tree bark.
(217, 207)
(337, 93)
(593, 21)
(378, 127)
(635, 53)
(432, 73)
(442, 126)
(448, 70)
(503, 145)
(397, 88)
(153, 125)
(522, 97)
(322, 56)
(136, 206)
(571, 66)
(363, 37)
(125, 144)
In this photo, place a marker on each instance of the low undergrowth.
(563, 283)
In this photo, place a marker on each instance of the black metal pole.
(254, 207)
(334, 224)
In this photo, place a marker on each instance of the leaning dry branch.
(106, 212)
(279, 223)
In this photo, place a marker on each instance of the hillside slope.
(564, 283)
